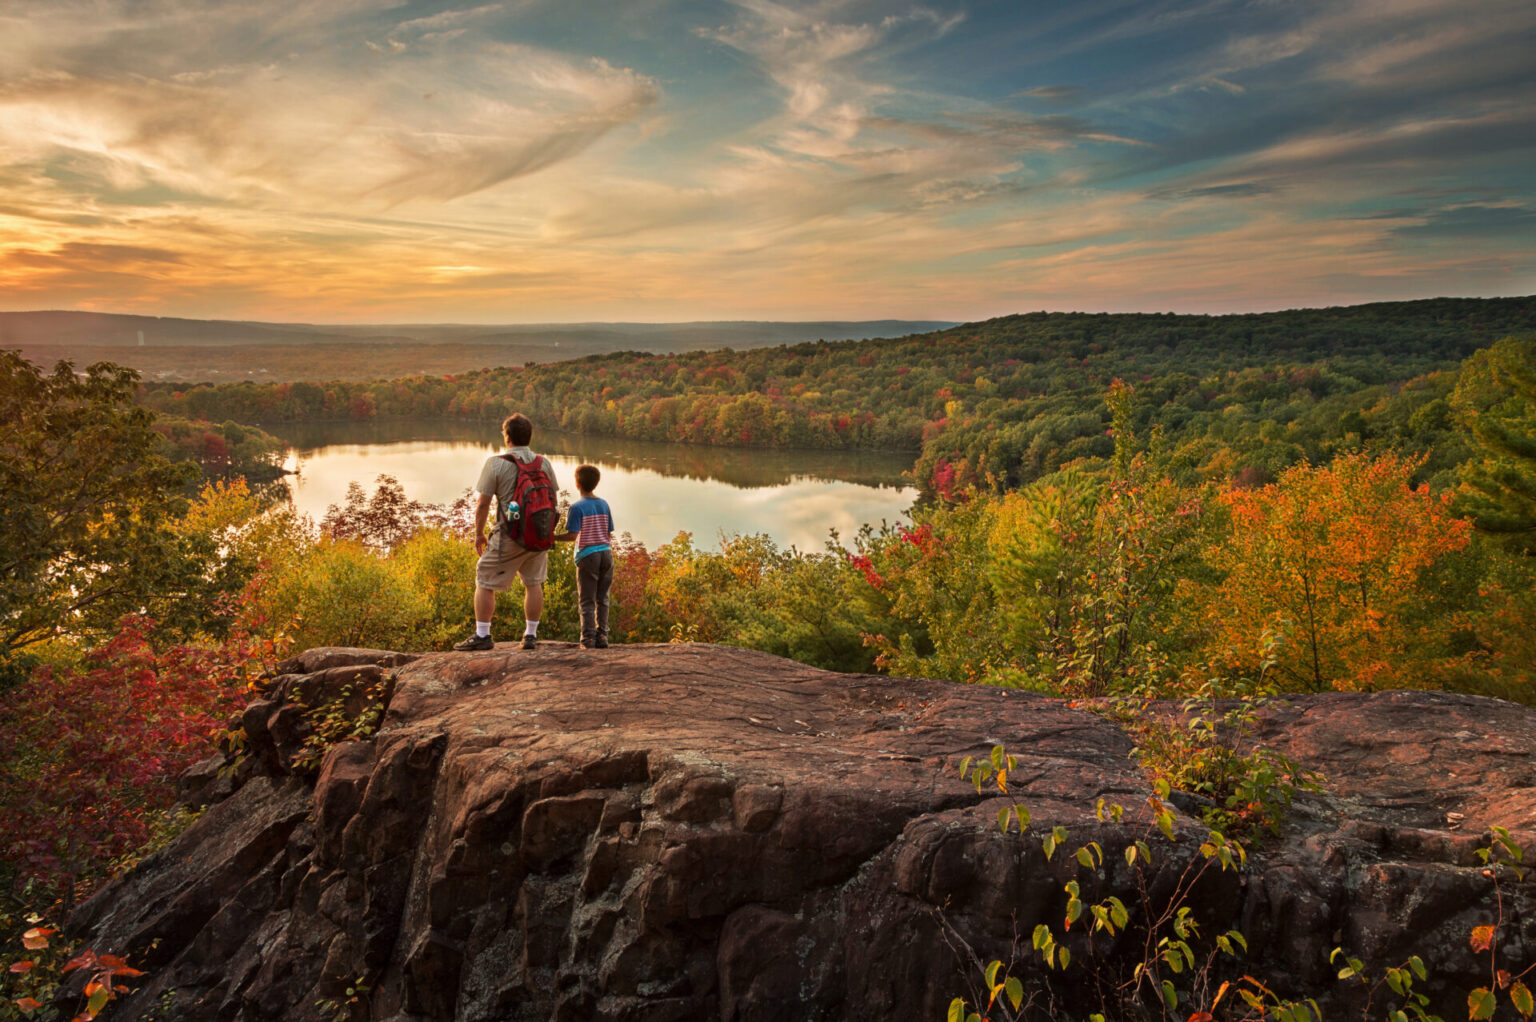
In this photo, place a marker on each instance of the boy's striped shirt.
(592, 521)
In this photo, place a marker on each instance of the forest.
(1114, 508)
(221, 351)
(995, 404)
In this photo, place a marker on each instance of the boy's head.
(517, 430)
(587, 477)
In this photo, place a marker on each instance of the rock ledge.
(691, 832)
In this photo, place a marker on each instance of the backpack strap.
(520, 465)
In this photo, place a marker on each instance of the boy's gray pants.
(594, 574)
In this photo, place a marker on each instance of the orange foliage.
(1332, 561)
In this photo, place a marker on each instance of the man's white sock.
(482, 629)
(530, 627)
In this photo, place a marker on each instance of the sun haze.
(529, 161)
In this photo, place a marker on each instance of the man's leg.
(485, 606)
(533, 607)
(533, 569)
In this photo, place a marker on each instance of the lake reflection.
(656, 490)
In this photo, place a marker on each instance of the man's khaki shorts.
(505, 558)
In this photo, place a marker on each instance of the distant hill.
(98, 329)
(998, 403)
(198, 350)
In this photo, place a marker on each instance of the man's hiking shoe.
(600, 643)
(475, 642)
(530, 641)
(588, 644)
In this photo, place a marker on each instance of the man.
(501, 556)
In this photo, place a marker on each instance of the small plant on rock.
(37, 978)
(1201, 752)
(347, 1004)
(332, 722)
(1177, 975)
(1176, 966)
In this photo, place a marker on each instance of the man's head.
(587, 477)
(517, 430)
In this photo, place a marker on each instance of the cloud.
(560, 110)
(1333, 98)
(1271, 261)
(307, 129)
(1412, 145)
(1234, 190)
(1053, 92)
(434, 27)
(849, 147)
(369, 158)
(78, 254)
(825, 68)
(1511, 222)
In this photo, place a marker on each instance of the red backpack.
(530, 518)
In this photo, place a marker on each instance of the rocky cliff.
(700, 832)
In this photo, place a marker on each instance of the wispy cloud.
(443, 116)
(947, 158)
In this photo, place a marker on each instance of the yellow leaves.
(97, 995)
(221, 504)
(1520, 994)
(1482, 938)
(36, 938)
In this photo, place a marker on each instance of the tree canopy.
(1496, 396)
(87, 506)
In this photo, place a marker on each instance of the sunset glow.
(527, 161)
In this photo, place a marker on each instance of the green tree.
(1085, 568)
(85, 504)
(1496, 398)
(814, 608)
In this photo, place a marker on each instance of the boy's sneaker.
(530, 641)
(600, 643)
(475, 642)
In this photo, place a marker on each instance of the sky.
(644, 160)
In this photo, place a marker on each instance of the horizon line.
(949, 321)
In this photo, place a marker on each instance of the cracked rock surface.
(701, 832)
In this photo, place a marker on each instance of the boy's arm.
(572, 527)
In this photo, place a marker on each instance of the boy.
(589, 524)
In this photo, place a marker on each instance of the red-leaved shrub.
(92, 754)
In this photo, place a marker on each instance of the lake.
(656, 490)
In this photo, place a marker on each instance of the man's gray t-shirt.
(498, 477)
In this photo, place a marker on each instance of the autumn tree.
(384, 520)
(86, 505)
(1084, 567)
(1333, 564)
